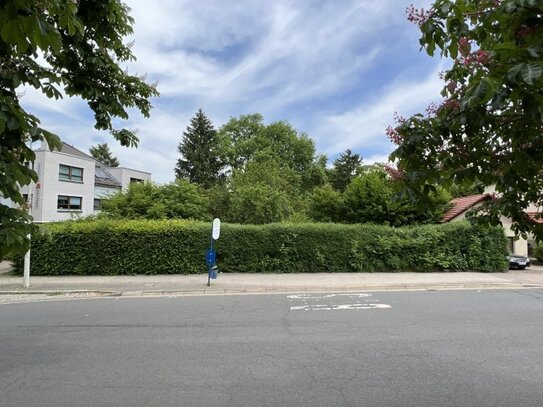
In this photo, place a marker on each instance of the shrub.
(179, 199)
(112, 247)
(538, 251)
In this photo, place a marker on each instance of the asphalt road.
(443, 348)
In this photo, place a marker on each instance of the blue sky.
(336, 70)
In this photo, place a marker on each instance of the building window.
(511, 244)
(532, 244)
(97, 204)
(69, 203)
(135, 180)
(67, 173)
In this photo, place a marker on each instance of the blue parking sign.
(211, 257)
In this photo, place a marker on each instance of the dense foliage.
(56, 47)
(177, 200)
(168, 247)
(263, 192)
(250, 172)
(374, 197)
(538, 252)
(248, 139)
(489, 127)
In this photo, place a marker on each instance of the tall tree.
(345, 168)
(489, 126)
(239, 135)
(55, 46)
(202, 156)
(103, 154)
(247, 139)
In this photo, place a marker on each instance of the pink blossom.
(394, 173)
(451, 104)
(464, 46)
(432, 109)
(479, 57)
(418, 16)
(452, 86)
(399, 119)
(393, 135)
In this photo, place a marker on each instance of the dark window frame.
(510, 244)
(70, 177)
(68, 206)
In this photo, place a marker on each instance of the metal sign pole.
(209, 265)
(26, 273)
(211, 256)
(26, 269)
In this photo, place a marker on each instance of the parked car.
(518, 261)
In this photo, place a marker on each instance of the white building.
(515, 243)
(127, 176)
(71, 183)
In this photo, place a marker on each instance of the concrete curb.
(272, 290)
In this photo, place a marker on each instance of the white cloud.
(299, 61)
(34, 100)
(363, 127)
(290, 51)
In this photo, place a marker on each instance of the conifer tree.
(200, 160)
(102, 153)
(345, 167)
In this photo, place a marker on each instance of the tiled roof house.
(516, 244)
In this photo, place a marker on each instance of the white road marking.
(316, 296)
(334, 302)
(338, 307)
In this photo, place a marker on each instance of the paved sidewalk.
(262, 283)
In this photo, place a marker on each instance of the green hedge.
(177, 247)
(538, 252)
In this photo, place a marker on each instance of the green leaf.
(453, 49)
(430, 48)
(53, 140)
(513, 72)
(535, 51)
(531, 72)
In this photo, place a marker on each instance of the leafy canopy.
(56, 47)
(488, 127)
(247, 139)
(373, 196)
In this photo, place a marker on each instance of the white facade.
(71, 184)
(51, 186)
(127, 176)
(516, 244)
